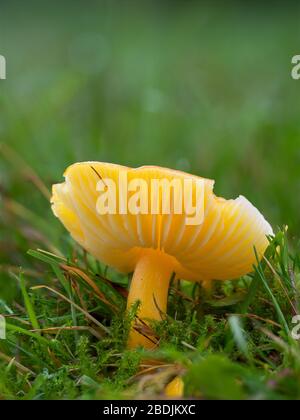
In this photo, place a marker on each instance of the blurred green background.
(202, 87)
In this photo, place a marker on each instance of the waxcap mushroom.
(153, 246)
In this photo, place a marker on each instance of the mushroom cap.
(221, 247)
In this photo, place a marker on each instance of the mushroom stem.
(149, 285)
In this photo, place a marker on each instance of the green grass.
(232, 342)
(187, 85)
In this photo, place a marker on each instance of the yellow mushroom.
(121, 216)
(175, 388)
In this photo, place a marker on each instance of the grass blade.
(27, 301)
